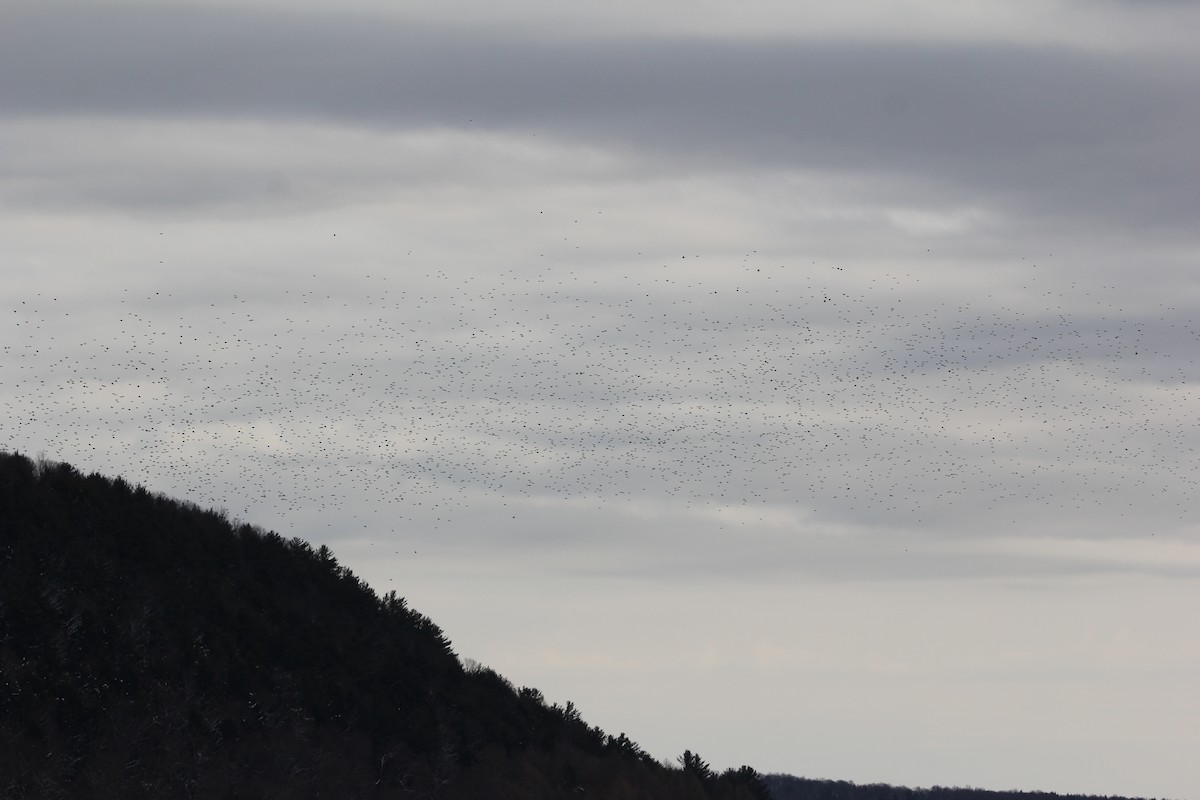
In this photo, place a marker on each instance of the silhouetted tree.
(691, 762)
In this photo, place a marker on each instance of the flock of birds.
(400, 401)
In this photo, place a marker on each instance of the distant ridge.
(790, 787)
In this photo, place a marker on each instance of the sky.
(808, 385)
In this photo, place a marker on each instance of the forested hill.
(789, 787)
(152, 649)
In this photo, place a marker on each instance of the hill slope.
(149, 648)
(152, 649)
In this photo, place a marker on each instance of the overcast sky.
(812, 386)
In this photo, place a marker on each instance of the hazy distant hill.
(149, 648)
(790, 787)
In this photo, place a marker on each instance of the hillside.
(153, 649)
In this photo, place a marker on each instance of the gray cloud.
(1042, 131)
